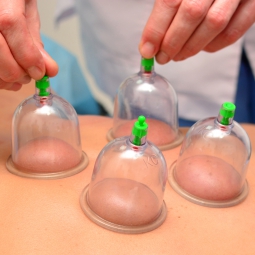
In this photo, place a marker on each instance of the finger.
(217, 18)
(14, 28)
(15, 87)
(158, 23)
(190, 14)
(243, 19)
(10, 71)
(5, 85)
(10, 86)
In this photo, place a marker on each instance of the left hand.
(179, 29)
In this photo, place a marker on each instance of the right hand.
(22, 55)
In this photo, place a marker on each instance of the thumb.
(33, 23)
(51, 65)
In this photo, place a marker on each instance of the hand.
(178, 29)
(22, 56)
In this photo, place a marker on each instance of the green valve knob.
(43, 86)
(147, 64)
(227, 113)
(139, 130)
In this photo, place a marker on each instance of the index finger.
(188, 18)
(158, 23)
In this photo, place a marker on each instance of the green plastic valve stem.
(227, 113)
(43, 85)
(147, 64)
(139, 131)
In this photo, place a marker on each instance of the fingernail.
(147, 50)
(177, 58)
(35, 72)
(162, 57)
(25, 79)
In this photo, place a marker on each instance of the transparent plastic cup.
(212, 164)
(127, 185)
(46, 137)
(149, 94)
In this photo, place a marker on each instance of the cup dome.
(46, 137)
(213, 161)
(149, 94)
(127, 185)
